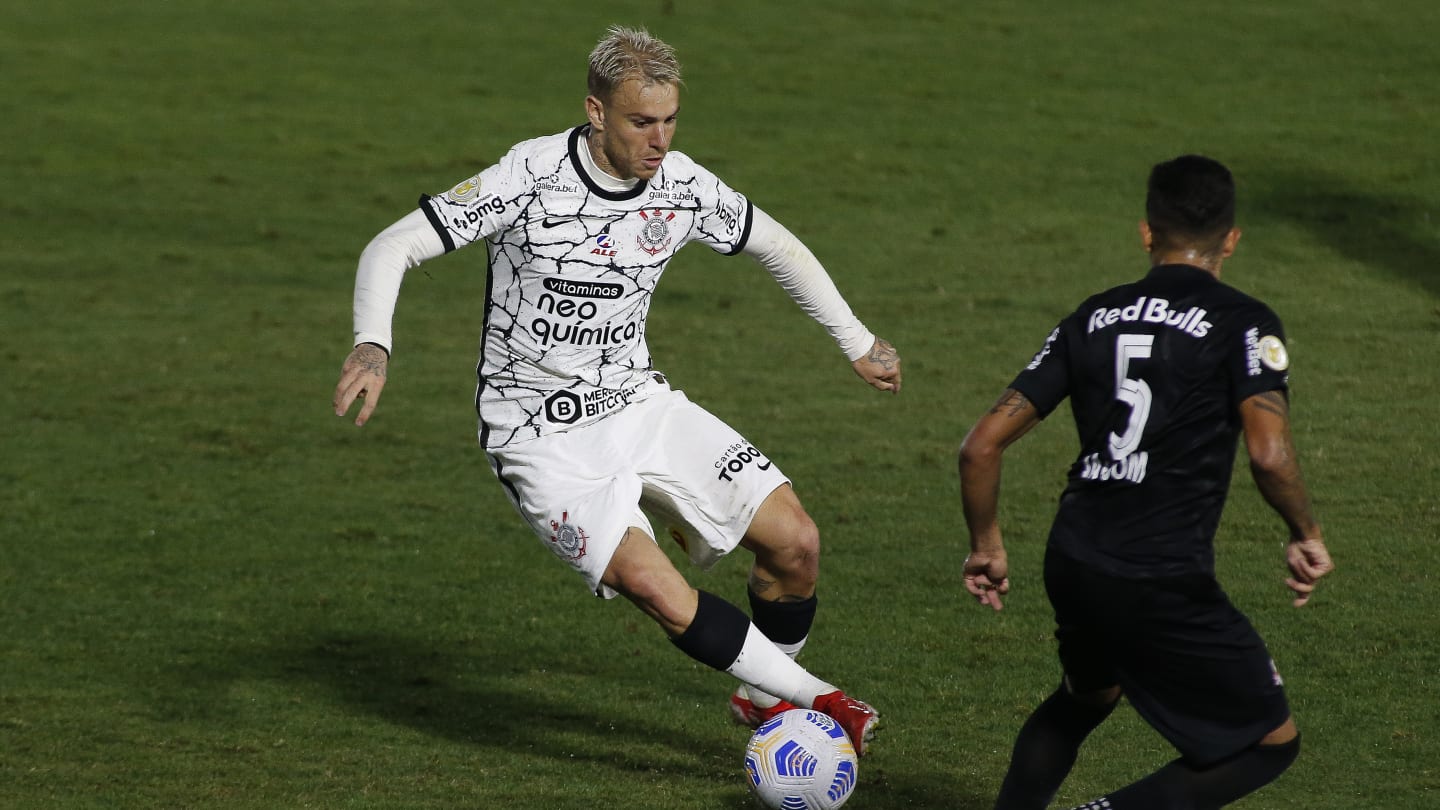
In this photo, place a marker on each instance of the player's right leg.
(718, 634)
(1184, 784)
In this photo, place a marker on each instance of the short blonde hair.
(630, 53)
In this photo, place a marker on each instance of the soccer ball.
(801, 760)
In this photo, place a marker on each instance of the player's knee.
(1098, 698)
(1282, 734)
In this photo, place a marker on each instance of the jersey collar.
(592, 175)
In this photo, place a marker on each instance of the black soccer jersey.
(1155, 371)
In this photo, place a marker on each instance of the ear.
(595, 111)
(1231, 239)
(1147, 238)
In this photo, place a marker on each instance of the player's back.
(1154, 370)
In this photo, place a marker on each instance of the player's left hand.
(987, 577)
(1308, 560)
(880, 367)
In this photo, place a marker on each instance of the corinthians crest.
(655, 236)
(568, 538)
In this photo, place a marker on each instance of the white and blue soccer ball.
(801, 760)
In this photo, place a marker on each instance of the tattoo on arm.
(1010, 403)
(1273, 402)
(1279, 478)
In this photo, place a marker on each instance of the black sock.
(1184, 787)
(716, 635)
(1045, 750)
(783, 622)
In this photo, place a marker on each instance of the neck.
(601, 172)
(1208, 262)
(598, 156)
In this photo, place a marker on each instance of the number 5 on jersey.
(1132, 392)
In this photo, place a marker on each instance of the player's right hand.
(1309, 560)
(362, 377)
(987, 577)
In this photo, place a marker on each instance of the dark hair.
(1190, 200)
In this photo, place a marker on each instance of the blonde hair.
(630, 53)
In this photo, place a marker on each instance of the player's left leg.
(786, 545)
(1048, 743)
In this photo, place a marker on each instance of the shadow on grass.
(410, 684)
(1397, 234)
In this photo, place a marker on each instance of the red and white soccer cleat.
(856, 717)
(746, 713)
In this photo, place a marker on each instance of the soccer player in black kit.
(1163, 375)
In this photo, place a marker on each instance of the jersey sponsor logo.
(1130, 468)
(1252, 352)
(583, 333)
(736, 458)
(552, 182)
(1044, 350)
(678, 195)
(473, 214)
(563, 408)
(568, 407)
(655, 235)
(1273, 354)
(584, 289)
(569, 540)
(1152, 310)
(604, 246)
(730, 215)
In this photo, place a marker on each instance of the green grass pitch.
(217, 594)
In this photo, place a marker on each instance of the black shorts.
(1187, 659)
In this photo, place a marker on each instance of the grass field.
(218, 594)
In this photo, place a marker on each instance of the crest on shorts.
(568, 538)
(655, 235)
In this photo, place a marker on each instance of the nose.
(660, 135)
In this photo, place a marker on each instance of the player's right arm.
(382, 267)
(987, 570)
(1275, 466)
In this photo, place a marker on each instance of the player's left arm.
(802, 276)
(987, 571)
(1275, 466)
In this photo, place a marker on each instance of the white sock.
(761, 698)
(768, 671)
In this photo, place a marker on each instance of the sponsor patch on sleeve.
(1273, 353)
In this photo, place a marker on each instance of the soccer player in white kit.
(585, 436)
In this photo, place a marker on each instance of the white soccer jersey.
(572, 271)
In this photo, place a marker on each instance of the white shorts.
(581, 489)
